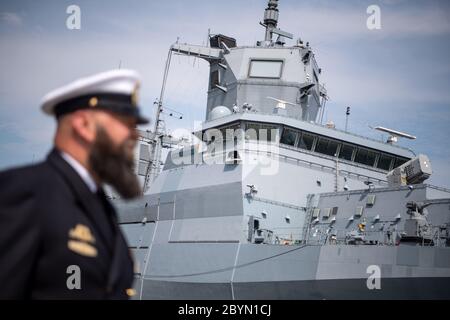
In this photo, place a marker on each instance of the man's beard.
(114, 166)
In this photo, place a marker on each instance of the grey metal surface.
(290, 272)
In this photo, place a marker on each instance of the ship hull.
(247, 272)
(336, 289)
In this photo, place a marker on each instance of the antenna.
(347, 113)
(172, 113)
(324, 98)
(282, 103)
(394, 134)
(271, 21)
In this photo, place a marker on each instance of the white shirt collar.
(82, 171)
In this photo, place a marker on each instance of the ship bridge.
(231, 132)
(268, 77)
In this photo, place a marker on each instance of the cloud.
(331, 23)
(36, 65)
(11, 18)
(6, 125)
(417, 22)
(441, 172)
(350, 82)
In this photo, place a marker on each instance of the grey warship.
(269, 203)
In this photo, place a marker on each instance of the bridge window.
(230, 132)
(365, 156)
(267, 133)
(326, 146)
(251, 131)
(255, 131)
(288, 137)
(265, 69)
(230, 135)
(384, 162)
(399, 162)
(306, 141)
(213, 135)
(346, 152)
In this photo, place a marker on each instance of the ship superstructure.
(270, 203)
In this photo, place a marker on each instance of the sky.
(397, 76)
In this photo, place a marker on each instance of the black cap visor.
(117, 103)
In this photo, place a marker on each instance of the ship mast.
(271, 21)
(153, 168)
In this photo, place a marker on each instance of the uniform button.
(131, 292)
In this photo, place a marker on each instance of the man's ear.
(84, 125)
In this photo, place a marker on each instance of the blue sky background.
(397, 77)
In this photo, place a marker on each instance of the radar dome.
(219, 112)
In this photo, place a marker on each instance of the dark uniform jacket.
(53, 231)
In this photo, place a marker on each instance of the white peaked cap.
(114, 90)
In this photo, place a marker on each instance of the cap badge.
(93, 101)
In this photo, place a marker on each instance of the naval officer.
(59, 237)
